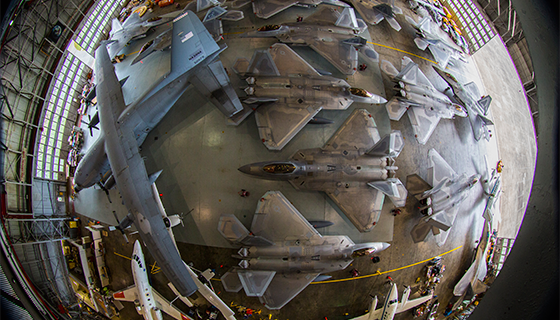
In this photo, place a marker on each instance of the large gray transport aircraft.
(124, 127)
(355, 169)
(284, 253)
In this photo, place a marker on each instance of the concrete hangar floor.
(199, 154)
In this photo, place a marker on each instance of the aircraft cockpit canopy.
(279, 168)
(360, 92)
(269, 27)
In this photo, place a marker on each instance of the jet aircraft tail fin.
(191, 43)
(213, 82)
(390, 145)
(347, 19)
(484, 103)
(234, 231)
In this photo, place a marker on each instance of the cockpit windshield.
(360, 92)
(279, 168)
(269, 27)
(146, 46)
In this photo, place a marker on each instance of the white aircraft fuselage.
(146, 303)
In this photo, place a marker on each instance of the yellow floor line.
(412, 54)
(384, 272)
(120, 255)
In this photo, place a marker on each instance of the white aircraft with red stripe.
(149, 303)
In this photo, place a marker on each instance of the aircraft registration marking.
(187, 36)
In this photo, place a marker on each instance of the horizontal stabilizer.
(421, 43)
(230, 281)
(409, 73)
(389, 68)
(437, 222)
(214, 13)
(393, 188)
(255, 282)
(416, 186)
(232, 15)
(441, 55)
(396, 108)
(390, 145)
(420, 231)
(234, 231)
(322, 277)
(393, 23)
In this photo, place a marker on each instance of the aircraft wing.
(276, 219)
(168, 308)
(265, 9)
(440, 169)
(408, 304)
(440, 52)
(423, 122)
(289, 62)
(343, 56)
(361, 204)
(371, 315)
(279, 122)
(129, 294)
(359, 131)
(284, 287)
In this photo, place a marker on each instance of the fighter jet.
(332, 34)
(212, 20)
(133, 28)
(468, 95)
(124, 128)
(374, 11)
(392, 305)
(149, 303)
(415, 93)
(440, 44)
(440, 198)
(283, 254)
(355, 169)
(265, 9)
(291, 92)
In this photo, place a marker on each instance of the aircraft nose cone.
(385, 245)
(248, 169)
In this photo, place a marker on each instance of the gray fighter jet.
(212, 20)
(355, 169)
(265, 9)
(332, 34)
(291, 93)
(468, 95)
(133, 28)
(124, 128)
(440, 44)
(374, 11)
(425, 105)
(283, 254)
(440, 198)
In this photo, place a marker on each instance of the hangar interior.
(57, 242)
